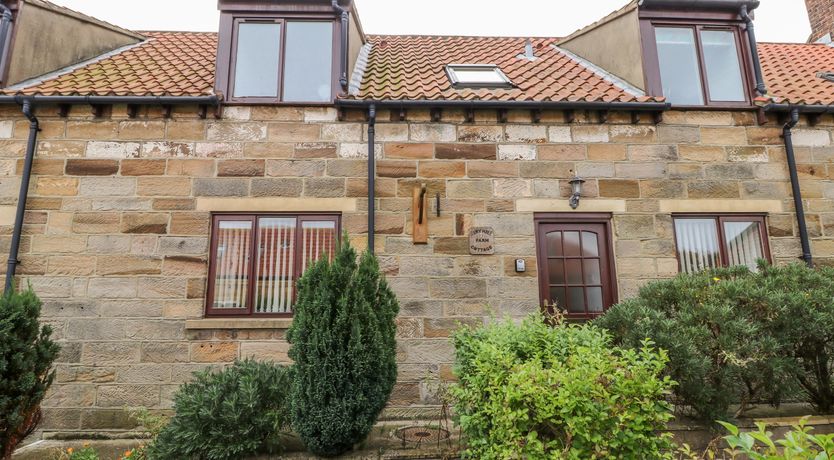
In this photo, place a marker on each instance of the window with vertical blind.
(711, 241)
(256, 260)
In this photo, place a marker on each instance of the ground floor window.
(723, 240)
(576, 267)
(257, 259)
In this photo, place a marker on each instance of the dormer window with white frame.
(477, 76)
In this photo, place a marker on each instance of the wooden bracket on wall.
(420, 215)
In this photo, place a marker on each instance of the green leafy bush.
(226, 415)
(343, 345)
(536, 391)
(84, 453)
(798, 444)
(802, 322)
(26, 356)
(713, 325)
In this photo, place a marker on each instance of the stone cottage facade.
(164, 237)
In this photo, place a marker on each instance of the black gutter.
(14, 250)
(110, 100)
(343, 56)
(524, 105)
(754, 49)
(797, 193)
(788, 108)
(28, 104)
(371, 177)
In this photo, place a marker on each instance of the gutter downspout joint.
(344, 13)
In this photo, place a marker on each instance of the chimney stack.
(821, 14)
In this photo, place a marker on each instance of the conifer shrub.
(26, 356)
(736, 337)
(227, 415)
(535, 390)
(344, 349)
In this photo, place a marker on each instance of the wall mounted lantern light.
(576, 187)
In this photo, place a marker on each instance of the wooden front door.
(576, 271)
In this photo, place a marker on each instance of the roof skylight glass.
(477, 76)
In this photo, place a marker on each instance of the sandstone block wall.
(117, 228)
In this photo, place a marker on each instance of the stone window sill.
(237, 323)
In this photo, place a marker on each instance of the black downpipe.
(34, 127)
(343, 52)
(754, 49)
(371, 177)
(797, 193)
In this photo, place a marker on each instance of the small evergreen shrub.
(537, 391)
(802, 322)
(714, 326)
(236, 412)
(343, 345)
(26, 356)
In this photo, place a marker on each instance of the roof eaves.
(602, 73)
(39, 80)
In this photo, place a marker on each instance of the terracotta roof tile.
(790, 71)
(414, 67)
(167, 64)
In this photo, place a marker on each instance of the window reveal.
(257, 260)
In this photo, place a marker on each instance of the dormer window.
(699, 65)
(282, 52)
(477, 76)
(697, 58)
(288, 61)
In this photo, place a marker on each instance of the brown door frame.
(609, 276)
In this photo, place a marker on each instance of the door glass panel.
(257, 61)
(554, 244)
(680, 73)
(557, 297)
(574, 271)
(590, 244)
(556, 269)
(595, 299)
(723, 69)
(743, 243)
(697, 241)
(572, 244)
(593, 275)
(577, 300)
(275, 265)
(309, 62)
(231, 277)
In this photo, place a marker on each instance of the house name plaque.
(482, 241)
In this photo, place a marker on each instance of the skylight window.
(477, 76)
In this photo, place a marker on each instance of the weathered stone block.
(312, 150)
(480, 133)
(190, 168)
(143, 167)
(409, 151)
(748, 154)
(531, 134)
(221, 187)
(241, 168)
(517, 152)
(76, 167)
(294, 132)
(434, 132)
(107, 186)
(214, 352)
(547, 169)
(395, 168)
(324, 187)
(465, 151)
(183, 245)
(442, 169)
(609, 188)
(156, 223)
(50, 186)
(123, 265)
(236, 132)
(713, 189)
(487, 169)
(590, 133)
(652, 153)
(562, 152)
(127, 396)
(469, 188)
(634, 227)
(295, 168)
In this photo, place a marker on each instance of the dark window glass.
(722, 67)
(257, 62)
(277, 249)
(308, 70)
(705, 242)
